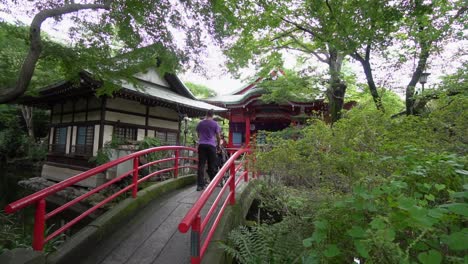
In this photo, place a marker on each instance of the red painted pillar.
(230, 140)
(247, 130)
(232, 184)
(39, 225)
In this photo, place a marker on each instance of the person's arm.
(218, 139)
(218, 136)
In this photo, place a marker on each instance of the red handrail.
(39, 197)
(193, 218)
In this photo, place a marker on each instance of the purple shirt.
(207, 130)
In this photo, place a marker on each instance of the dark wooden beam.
(87, 106)
(120, 124)
(146, 120)
(73, 120)
(78, 123)
(61, 112)
(139, 114)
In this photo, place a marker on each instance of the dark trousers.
(206, 153)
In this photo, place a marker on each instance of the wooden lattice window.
(125, 133)
(166, 138)
(84, 140)
(171, 138)
(60, 140)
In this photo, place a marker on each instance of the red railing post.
(176, 164)
(135, 176)
(232, 185)
(195, 240)
(39, 225)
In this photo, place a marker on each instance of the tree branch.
(35, 48)
(299, 26)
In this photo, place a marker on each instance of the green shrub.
(378, 189)
(417, 213)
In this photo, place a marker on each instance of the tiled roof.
(161, 93)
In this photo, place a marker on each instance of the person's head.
(210, 113)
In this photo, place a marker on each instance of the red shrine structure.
(247, 113)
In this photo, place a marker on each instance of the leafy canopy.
(113, 39)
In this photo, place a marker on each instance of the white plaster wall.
(150, 133)
(67, 118)
(51, 136)
(96, 139)
(108, 130)
(163, 123)
(80, 117)
(140, 134)
(74, 135)
(94, 115)
(152, 76)
(67, 145)
(163, 112)
(126, 105)
(125, 118)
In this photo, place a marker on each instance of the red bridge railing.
(193, 218)
(39, 198)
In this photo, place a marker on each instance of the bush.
(378, 189)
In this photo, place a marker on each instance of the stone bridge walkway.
(150, 236)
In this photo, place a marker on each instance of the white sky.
(220, 81)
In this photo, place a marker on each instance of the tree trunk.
(8, 95)
(27, 112)
(337, 88)
(365, 62)
(422, 61)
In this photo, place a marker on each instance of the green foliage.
(403, 218)
(119, 40)
(11, 235)
(290, 87)
(13, 139)
(104, 154)
(200, 91)
(14, 45)
(150, 142)
(278, 243)
(375, 188)
(391, 101)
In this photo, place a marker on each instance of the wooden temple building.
(248, 114)
(81, 122)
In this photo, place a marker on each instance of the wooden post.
(101, 122)
(247, 130)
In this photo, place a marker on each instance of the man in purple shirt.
(208, 139)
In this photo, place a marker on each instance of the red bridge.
(156, 234)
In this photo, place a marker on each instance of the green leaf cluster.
(375, 188)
